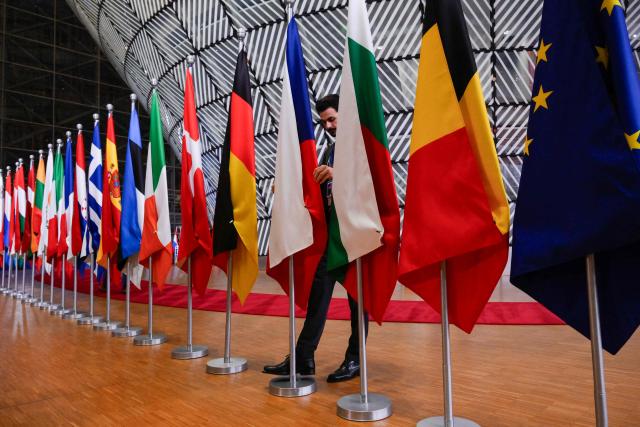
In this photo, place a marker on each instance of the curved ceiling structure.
(147, 39)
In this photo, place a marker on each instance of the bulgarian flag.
(156, 231)
(195, 234)
(111, 198)
(36, 212)
(61, 217)
(456, 207)
(365, 221)
(31, 185)
(21, 207)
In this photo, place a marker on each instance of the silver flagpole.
(32, 300)
(42, 304)
(227, 364)
(75, 314)
(3, 290)
(448, 420)
(150, 338)
(62, 310)
(16, 292)
(127, 330)
(292, 386)
(51, 307)
(24, 296)
(364, 406)
(11, 290)
(189, 351)
(599, 389)
(91, 319)
(107, 324)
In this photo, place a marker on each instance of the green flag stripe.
(367, 88)
(39, 196)
(336, 253)
(156, 141)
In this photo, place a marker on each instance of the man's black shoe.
(303, 367)
(348, 370)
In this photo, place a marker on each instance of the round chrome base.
(234, 366)
(351, 407)
(90, 320)
(147, 339)
(4, 291)
(30, 301)
(74, 316)
(439, 422)
(42, 305)
(189, 352)
(60, 312)
(12, 293)
(21, 296)
(281, 386)
(52, 307)
(106, 326)
(127, 331)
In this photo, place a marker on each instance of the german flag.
(456, 208)
(235, 223)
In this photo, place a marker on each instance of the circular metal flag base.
(12, 293)
(52, 307)
(42, 305)
(60, 312)
(439, 422)
(220, 367)
(74, 316)
(127, 331)
(90, 320)
(21, 296)
(4, 291)
(147, 339)
(30, 301)
(106, 326)
(351, 407)
(281, 386)
(190, 352)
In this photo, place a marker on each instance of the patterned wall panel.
(147, 39)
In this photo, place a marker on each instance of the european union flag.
(580, 186)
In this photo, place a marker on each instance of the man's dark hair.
(326, 102)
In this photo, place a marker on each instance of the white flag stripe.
(291, 226)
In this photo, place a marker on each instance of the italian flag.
(156, 232)
(365, 220)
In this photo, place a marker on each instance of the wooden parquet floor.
(53, 372)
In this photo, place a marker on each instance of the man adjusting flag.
(366, 220)
(298, 225)
(195, 233)
(456, 208)
(585, 110)
(132, 200)
(156, 231)
(235, 223)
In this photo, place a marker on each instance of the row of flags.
(579, 192)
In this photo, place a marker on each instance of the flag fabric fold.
(564, 214)
(8, 207)
(111, 199)
(132, 202)
(49, 228)
(235, 224)
(27, 235)
(456, 208)
(298, 226)
(36, 213)
(195, 233)
(365, 219)
(21, 208)
(69, 197)
(156, 231)
(2, 219)
(80, 204)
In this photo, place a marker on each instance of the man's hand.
(322, 173)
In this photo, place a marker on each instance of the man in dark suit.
(322, 287)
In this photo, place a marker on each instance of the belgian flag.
(456, 208)
(235, 223)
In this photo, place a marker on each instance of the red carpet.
(495, 313)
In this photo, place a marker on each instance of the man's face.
(329, 121)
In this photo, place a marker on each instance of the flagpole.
(189, 351)
(227, 364)
(42, 304)
(107, 324)
(24, 296)
(292, 386)
(2, 288)
(51, 307)
(62, 310)
(91, 319)
(32, 300)
(15, 292)
(364, 406)
(447, 420)
(127, 330)
(150, 338)
(599, 389)
(75, 314)
(9, 288)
